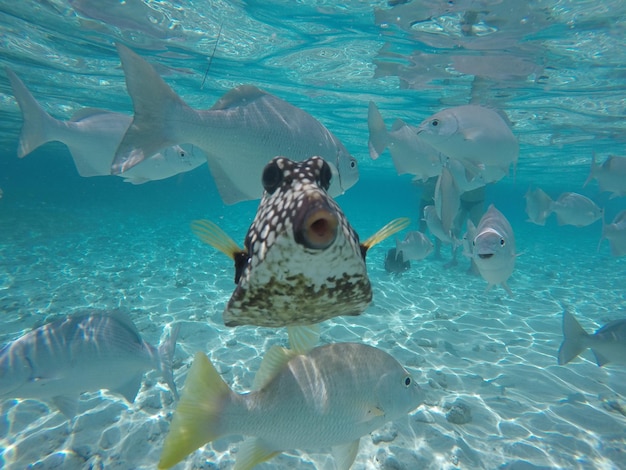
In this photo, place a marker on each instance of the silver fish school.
(302, 262)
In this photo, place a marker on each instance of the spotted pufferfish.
(302, 262)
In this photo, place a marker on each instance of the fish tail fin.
(379, 138)
(573, 339)
(156, 107)
(197, 414)
(166, 357)
(603, 234)
(592, 172)
(213, 235)
(391, 228)
(38, 124)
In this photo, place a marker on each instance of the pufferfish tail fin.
(213, 235)
(391, 228)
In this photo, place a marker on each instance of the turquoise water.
(70, 243)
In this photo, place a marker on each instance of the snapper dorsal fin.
(238, 96)
(272, 364)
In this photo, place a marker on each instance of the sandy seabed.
(496, 396)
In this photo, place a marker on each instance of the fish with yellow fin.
(302, 262)
(328, 397)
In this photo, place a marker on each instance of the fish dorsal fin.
(303, 338)
(391, 228)
(212, 235)
(251, 453)
(345, 454)
(124, 319)
(273, 362)
(238, 96)
(85, 113)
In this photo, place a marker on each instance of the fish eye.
(325, 176)
(434, 122)
(182, 154)
(502, 242)
(407, 381)
(272, 177)
(352, 163)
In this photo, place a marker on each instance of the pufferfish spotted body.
(302, 262)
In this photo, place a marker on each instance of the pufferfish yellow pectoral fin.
(211, 234)
(391, 228)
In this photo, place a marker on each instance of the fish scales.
(281, 270)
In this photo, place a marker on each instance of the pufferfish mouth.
(319, 229)
(485, 255)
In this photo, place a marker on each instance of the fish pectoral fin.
(273, 362)
(303, 338)
(473, 133)
(67, 404)
(212, 235)
(345, 454)
(375, 411)
(601, 359)
(251, 453)
(391, 228)
(130, 389)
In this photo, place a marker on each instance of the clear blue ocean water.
(68, 243)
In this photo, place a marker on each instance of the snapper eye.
(408, 381)
(272, 177)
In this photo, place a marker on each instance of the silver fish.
(615, 233)
(329, 397)
(92, 136)
(433, 222)
(243, 131)
(493, 248)
(415, 246)
(538, 206)
(302, 262)
(447, 200)
(410, 154)
(611, 175)
(575, 209)
(608, 344)
(477, 136)
(85, 352)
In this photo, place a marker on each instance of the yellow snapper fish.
(329, 397)
(302, 262)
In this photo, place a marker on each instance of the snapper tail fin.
(379, 139)
(166, 357)
(573, 339)
(38, 124)
(197, 414)
(156, 106)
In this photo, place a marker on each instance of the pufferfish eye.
(325, 176)
(272, 177)
(407, 381)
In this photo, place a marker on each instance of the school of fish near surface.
(301, 262)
